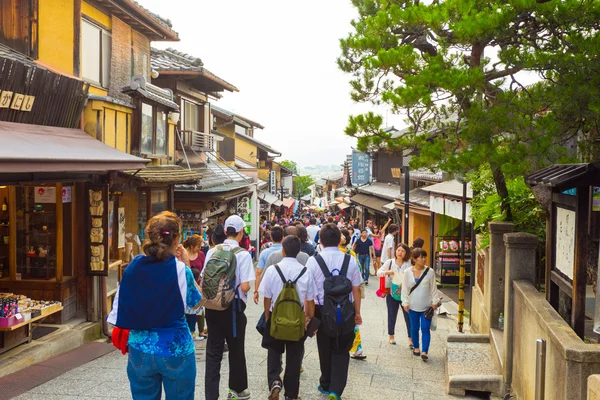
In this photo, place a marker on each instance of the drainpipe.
(104, 306)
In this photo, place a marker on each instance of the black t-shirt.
(362, 248)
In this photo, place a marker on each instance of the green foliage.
(291, 165)
(303, 182)
(528, 215)
(458, 70)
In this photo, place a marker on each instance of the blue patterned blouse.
(174, 340)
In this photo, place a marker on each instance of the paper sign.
(47, 194)
(18, 316)
(17, 101)
(5, 98)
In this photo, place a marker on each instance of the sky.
(281, 55)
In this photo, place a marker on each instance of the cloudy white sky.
(282, 57)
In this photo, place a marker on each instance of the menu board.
(565, 241)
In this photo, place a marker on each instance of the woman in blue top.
(151, 300)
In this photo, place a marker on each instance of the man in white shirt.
(277, 236)
(334, 356)
(312, 230)
(270, 287)
(230, 325)
(387, 251)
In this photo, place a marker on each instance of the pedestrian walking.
(389, 243)
(277, 256)
(363, 247)
(277, 237)
(420, 298)
(286, 288)
(393, 270)
(228, 325)
(305, 245)
(313, 230)
(378, 236)
(150, 303)
(334, 340)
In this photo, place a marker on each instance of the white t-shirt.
(388, 243)
(333, 258)
(244, 267)
(312, 232)
(271, 284)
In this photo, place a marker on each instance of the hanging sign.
(361, 168)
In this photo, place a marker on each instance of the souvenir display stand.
(447, 259)
(17, 314)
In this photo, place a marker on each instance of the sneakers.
(233, 395)
(334, 396)
(321, 390)
(275, 390)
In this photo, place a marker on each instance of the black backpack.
(337, 312)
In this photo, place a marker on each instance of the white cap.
(236, 222)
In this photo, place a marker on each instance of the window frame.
(32, 29)
(103, 32)
(155, 110)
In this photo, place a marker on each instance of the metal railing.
(199, 141)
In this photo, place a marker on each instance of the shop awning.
(278, 203)
(30, 148)
(343, 206)
(372, 202)
(267, 197)
(289, 202)
(166, 174)
(390, 206)
(449, 188)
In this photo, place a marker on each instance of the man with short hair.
(277, 238)
(221, 323)
(387, 251)
(270, 287)
(313, 230)
(277, 256)
(334, 356)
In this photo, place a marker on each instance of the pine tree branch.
(493, 75)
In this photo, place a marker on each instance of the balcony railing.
(199, 141)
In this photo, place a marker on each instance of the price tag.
(18, 316)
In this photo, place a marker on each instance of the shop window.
(191, 116)
(95, 53)
(160, 201)
(18, 19)
(155, 134)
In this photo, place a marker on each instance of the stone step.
(471, 365)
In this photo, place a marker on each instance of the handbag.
(261, 325)
(396, 291)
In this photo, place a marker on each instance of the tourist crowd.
(311, 275)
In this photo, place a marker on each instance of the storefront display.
(447, 259)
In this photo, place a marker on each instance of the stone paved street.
(389, 372)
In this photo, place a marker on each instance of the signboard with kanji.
(361, 168)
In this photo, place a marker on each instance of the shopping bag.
(382, 291)
(434, 321)
(372, 267)
(396, 289)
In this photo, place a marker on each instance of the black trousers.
(294, 351)
(220, 327)
(334, 359)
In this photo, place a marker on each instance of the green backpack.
(218, 281)
(288, 318)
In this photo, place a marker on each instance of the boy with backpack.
(286, 287)
(225, 284)
(337, 280)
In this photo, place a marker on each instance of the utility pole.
(462, 272)
(406, 171)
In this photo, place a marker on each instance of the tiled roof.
(164, 22)
(231, 114)
(216, 177)
(336, 176)
(388, 191)
(174, 61)
(138, 86)
(7, 52)
(426, 175)
(243, 164)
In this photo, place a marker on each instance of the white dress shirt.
(334, 259)
(271, 284)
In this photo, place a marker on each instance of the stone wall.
(569, 361)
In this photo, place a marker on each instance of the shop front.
(53, 223)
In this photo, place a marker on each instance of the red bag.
(119, 339)
(382, 291)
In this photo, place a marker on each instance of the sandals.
(416, 353)
(392, 341)
(358, 357)
(424, 357)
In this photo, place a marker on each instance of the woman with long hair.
(418, 301)
(377, 236)
(150, 303)
(305, 245)
(396, 266)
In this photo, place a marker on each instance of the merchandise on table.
(15, 309)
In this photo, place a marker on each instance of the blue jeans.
(418, 321)
(365, 262)
(147, 373)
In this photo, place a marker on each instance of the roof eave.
(154, 30)
(195, 73)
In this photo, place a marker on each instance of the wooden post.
(580, 268)
(12, 244)
(59, 234)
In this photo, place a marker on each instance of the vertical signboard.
(273, 182)
(361, 168)
(98, 226)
